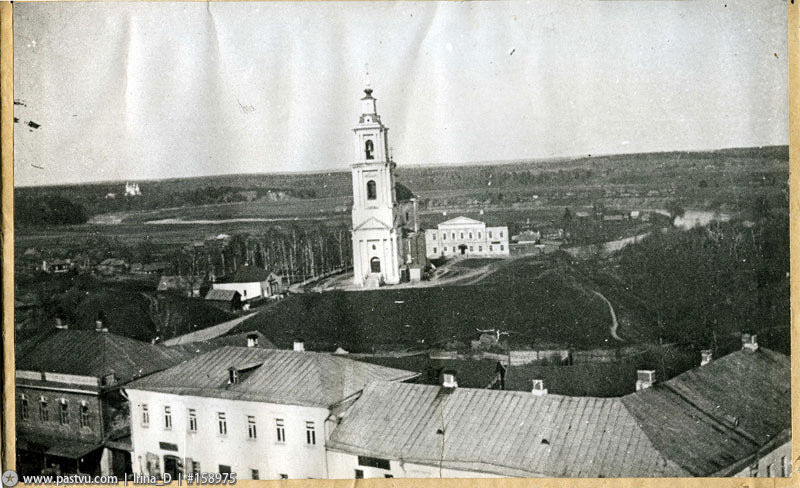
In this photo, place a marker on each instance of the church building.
(382, 224)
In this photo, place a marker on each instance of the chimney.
(705, 356)
(98, 326)
(233, 376)
(416, 222)
(299, 345)
(749, 342)
(645, 378)
(60, 324)
(449, 379)
(538, 388)
(252, 340)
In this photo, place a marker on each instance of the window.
(254, 474)
(461, 235)
(769, 470)
(501, 233)
(372, 191)
(453, 235)
(444, 236)
(490, 234)
(786, 466)
(84, 415)
(223, 424)
(44, 413)
(479, 235)
(434, 250)
(434, 236)
(284, 476)
(373, 462)
(280, 430)
(224, 468)
(388, 476)
(783, 466)
(195, 467)
(192, 420)
(445, 248)
(502, 247)
(311, 434)
(23, 407)
(369, 149)
(470, 235)
(470, 248)
(145, 416)
(251, 427)
(490, 248)
(167, 418)
(359, 474)
(480, 248)
(375, 265)
(63, 412)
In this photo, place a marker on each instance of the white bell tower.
(376, 232)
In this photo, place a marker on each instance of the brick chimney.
(449, 378)
(705, 356)
(645, 378)
(538, 388)
(749, 342)
(299, 345)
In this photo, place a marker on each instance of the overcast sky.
(158, 90)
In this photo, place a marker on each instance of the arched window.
(375, 265)
(372, 192)
(369, 148)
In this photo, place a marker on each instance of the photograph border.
(7, 429)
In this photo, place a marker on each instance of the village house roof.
(246, 274)
(270, 375)
(221, 295)
(175, 282)
(682, 427)
(94, 353)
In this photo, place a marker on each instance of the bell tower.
(375, 231)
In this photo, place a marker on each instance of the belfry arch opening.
(372, 192)
(369, 149)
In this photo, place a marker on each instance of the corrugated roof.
(221, 295)
(93, 353)
(274, 376)
(508, 433)
(712, 416)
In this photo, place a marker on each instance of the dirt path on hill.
(614, 323)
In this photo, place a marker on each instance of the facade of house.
(257, 412)
(70, 414)
(463, 236)
(729, 417)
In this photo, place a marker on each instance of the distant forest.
(699, 176)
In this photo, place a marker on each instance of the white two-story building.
(463, 236)
(259, 413)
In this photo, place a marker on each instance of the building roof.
(696, 424)
(239, 339)
(712, 416)
(246, 274)
(94, 353)
(461, 220)
(221, 295)
(270, 375)
(176, 282)
(509, 433)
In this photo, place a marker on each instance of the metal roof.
(712, 416)
(246, 274)
(270, 375)
(221, 295)
(509, 433)
(698, 423)
(94, 353)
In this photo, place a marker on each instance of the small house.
(228, 300)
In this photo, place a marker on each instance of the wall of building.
(52, 427)
(294, 457)
(775, 463)
(248, 291)
(478, 239)
(343, 465)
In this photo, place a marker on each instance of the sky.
(133, 91)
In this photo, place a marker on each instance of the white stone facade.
(463, 236)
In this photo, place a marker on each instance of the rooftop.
(246, 274)
(270, 375)
(696, 424)
(221, 295)
(94, 353)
